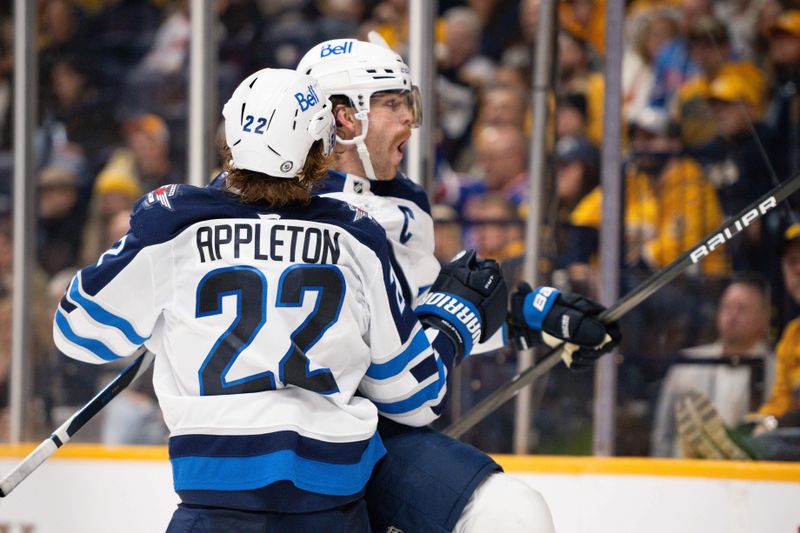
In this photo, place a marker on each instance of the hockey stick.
(65, 432)
(693, 256)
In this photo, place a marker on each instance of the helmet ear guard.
(323, 127)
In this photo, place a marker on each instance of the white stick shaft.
(28, 465)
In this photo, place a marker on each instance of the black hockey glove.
(467, 302)
(548, 316)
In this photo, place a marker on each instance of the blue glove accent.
(456, 311)
(537, 304)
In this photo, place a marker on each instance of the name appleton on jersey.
(268, 242)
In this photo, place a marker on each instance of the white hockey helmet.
(273, 118)
(358, 69)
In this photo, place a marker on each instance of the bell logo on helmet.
(307, 100)
(328, 50)
(286, 166)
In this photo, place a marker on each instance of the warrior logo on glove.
(467, 302)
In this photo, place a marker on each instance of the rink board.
(93, 489)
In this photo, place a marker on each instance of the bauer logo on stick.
(720, 238)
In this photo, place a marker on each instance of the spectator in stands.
(460, 71)
(500, 167)
(147, 144)
(502, 158)
(446, 233)
(772, 433)
(115, 191)
(647, 31)
(574, 63)
(673, 65)
(734, 163)
(63, 34)
(710, 48)
(784, 400)
(78, 108)
(578, 174)
(61, 210)
(571, 115)
(742, 327)
(669, 204)
(495, 230)
(502, 105)
(41, 336)
(121, 33)
(784, 56)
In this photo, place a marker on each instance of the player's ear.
(346, 123)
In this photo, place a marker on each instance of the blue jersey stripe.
(104, 317)
(394, 366)
(246, 473)
(94, 346)
(251, 445)
(415, 401)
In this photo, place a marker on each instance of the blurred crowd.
(711, 117)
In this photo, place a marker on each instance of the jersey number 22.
(249, 286)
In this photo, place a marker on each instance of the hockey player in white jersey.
(429, 482)
(279, 331)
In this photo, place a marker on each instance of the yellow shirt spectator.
(663, 219)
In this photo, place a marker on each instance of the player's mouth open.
(402, 146)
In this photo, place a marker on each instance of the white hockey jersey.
(280, 334)
(402, 209)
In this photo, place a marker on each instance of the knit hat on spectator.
(787, 22)
(733, 88)
(570, 149)
(118, 176)
(65, 169)
(791, 235)
(149, 124)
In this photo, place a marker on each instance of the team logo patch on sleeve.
(161, 196)
(358, 213)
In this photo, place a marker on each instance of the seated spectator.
(61, 211)
(69, 383)
(773, 432)
(578, 174)
(446, 233)
(501, 167)
(495, 230)
(147, 145)
(62, 34)
(115, 190)
(78, 107)
(669, 205)
(121, 33)
(784, 57)
(647, 30)
(742, 327)
(461, 70)
(571, 115)
(734, 163)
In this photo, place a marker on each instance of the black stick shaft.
(64, 432)
(697, 253)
